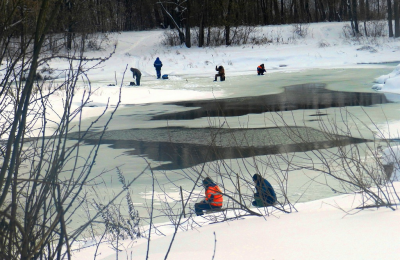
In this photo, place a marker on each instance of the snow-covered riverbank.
(324, 229)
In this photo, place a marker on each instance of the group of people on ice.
(263, 197)
(136, 74)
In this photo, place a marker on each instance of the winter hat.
(256, 177)
(207, 181)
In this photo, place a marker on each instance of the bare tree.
(43, 173)
(396, 18)
(389, 17)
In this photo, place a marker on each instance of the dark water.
(305, 96)
(179, 148)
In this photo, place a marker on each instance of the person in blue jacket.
(158, 65)
(265, 194)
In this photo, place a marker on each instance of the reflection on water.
(305, 96)
(179, 148)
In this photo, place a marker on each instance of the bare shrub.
(216, 36)
(347, 32)
(371, 32)
(300, 29)
(375, 28)
(97, 41)
(241, 34)
(323, 44)
(170, 38)
(356, 168)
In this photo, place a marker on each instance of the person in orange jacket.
(261, 69)
(213, 198)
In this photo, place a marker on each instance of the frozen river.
(240, 131)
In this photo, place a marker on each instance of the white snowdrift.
(389, 82)
(323, 229)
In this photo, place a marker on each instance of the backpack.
(165, 76)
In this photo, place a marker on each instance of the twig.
(215, 245)
(183, 204)
(151, 213)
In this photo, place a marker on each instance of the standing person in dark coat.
(136, 74)
(158, 65)
(261, 69)
(221, 73)
(213, 198)
(265, 194)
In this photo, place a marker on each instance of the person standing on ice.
(261, 69)
(158, 65)
(265, 194)
(213, 198)
(136, 74)
(221, 73)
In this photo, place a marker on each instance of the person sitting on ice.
(136, 74)
(261, 69)
(265, 194)
(221, 73)
(213, 198)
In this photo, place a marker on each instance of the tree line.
(88, 16)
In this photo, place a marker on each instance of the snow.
(389, 82)
(324, 229)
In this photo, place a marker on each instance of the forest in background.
(78, 17)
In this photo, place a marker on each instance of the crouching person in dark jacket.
(136, 74)
(213, 198)
(261, 69)
(265, 194)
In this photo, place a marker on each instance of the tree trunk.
(389, 10)
(277, 17)
(227, 24)
(396, 19)
(201, 25)
(296, 14)
(331, 11)
(362, 10)
(343, 10)
(322, 10)
(263, 5)
(187, 27)
(69, 24)
(354, 7)
(307, 11)
(378, 9)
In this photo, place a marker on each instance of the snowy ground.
(324, 229)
